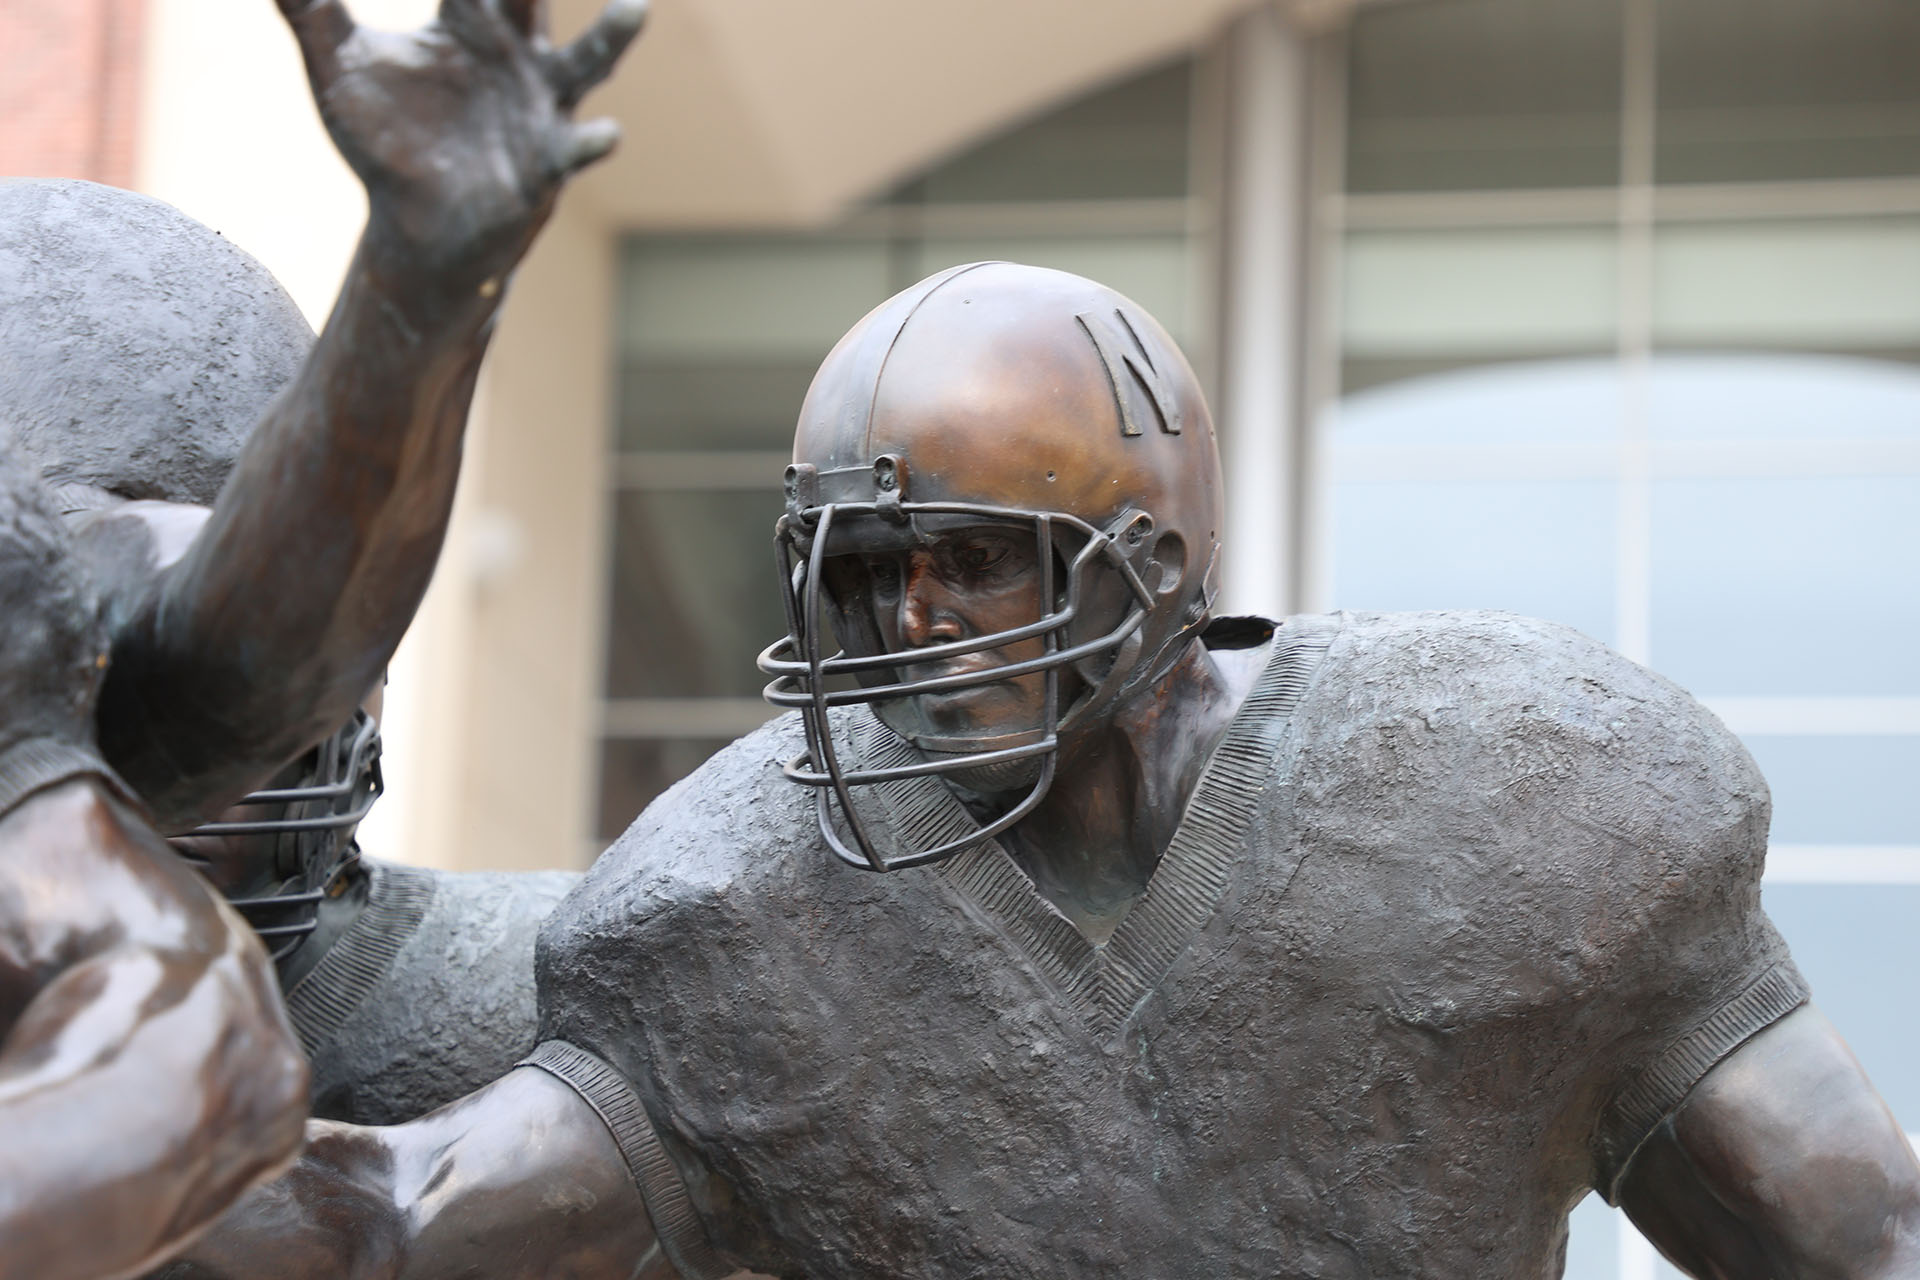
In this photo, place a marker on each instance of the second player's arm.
(518, 1181)
(267, 633)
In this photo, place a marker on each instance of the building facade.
(1606, 311)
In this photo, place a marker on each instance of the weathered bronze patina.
(1349, 945)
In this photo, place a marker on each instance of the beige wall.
(511, 643)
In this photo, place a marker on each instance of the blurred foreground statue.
(1351, 945)
(208, 657)
(147, 1074)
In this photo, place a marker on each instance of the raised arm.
(1782, 1162)
(519, 1181)
(264, 637)
(147, 1073)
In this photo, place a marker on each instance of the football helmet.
(1011, 396)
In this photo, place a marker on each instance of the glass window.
(1787, 586)
(716, 404)
(1759, 401)
(1543, 548)
(1481, 292)
(694, 594)
(1485, 95)
(1153, 270)
(1788, 91)
(1850, 284)
(708, 299)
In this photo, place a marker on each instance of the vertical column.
(1633, 574)
(1263, 308)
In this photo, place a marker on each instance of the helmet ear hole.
(1169, 563)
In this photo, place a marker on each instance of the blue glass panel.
(1806, 586)
(1593, 1242)
(1781, 396)
(1841, 790)
(1543, 549)
(1550, 402)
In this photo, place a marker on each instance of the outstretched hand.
(462, 131)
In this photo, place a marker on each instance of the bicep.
(151, 1017)
(1782, 1160)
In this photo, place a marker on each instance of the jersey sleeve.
(612, 1098)
(1587, 838)
(1652, 1093)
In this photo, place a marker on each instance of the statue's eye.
(884, 574)
(980, 557)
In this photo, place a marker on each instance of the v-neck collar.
(1105, 982)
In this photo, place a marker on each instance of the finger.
(321, 27)
(588, 60)
(586, 143)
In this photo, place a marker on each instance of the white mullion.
(1324, 249)
(1881, 864)
(1633, 569)
(1789, 715)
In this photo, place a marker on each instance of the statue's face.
(957, 584)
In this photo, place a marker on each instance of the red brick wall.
(69, 88)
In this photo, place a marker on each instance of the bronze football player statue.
(195, 669)
(1066, 929)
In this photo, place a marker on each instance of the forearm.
(520, 1181)
(140, 1094)
(273, 626)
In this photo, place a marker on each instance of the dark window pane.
(635, 770)
(1126, 142)
(1484, 95)
(715, 404)
(1808, 90)
(694, 596)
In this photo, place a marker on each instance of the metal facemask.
(314, 848)
(823, 508)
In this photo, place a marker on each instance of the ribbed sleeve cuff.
(605, 1090)
(1637, 1110)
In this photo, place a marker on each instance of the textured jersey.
(428, 995)
(1462, 905)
